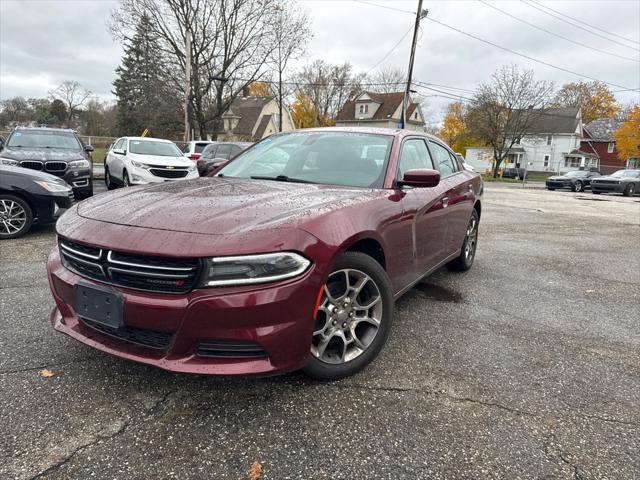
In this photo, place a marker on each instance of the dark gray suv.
(55, 151)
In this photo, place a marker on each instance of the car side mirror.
(88, 148)
(119, 151)
(420, 178)
(217, 167)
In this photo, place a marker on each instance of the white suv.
(194, 149)
(137, 160)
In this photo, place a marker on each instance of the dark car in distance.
(626, 182)
(28, 197)
(576, 180)
(290, 257)
(56, 151)
(217, 153)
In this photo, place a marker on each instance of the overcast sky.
(43, 42)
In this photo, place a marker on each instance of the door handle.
(445, 202)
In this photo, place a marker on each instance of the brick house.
(598, 139)
(371, 109)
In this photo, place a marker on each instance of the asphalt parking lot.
(528, 366)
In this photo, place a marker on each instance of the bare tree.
(387, 80)
(232, 41)
(72, 94)
(504, 109)
(328, 87)
(291, 32)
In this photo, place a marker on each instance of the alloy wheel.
(348, 317)
(471, 239)
(578, 186)
(13, 217)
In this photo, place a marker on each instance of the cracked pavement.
(527, 366)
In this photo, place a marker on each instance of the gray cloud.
(45, 42)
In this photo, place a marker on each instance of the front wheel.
(630, 190)
(108, 180)
(468, 251)
(595, 192)
(550, 189)
(353, 319)
(577, 187)
(125, 178)
(16, 217)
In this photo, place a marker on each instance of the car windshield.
(333, 158)
(626, 174)
(151, 147)
(576, 173)
(44, 139)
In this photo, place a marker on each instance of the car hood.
(220, 206)
(161, 160)
(42, 154)
(609, 177)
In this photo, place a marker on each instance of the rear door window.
(224, 151)
(444, 161)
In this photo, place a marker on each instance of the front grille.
(140, 272)
(32, 164)
(229, 348)
(606, 182)
(56, 167)
(164, 173)
(140, 336)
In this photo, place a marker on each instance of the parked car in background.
(56, 151)
(268, 266)
(626, 182)
(218, 153)
(28, 197)
(2, 140)
(137, 160)
(576, 180)
(194, 149)
(513, 172)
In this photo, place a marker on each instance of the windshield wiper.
(281, 178)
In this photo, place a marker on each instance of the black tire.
(465, 261)
(551, 189)
(629, 190)
(108, 180)
(6, 202)
(361, 263)
(125, 179)
(595, 192)
(577, 187)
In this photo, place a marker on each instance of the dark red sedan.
(290, 257)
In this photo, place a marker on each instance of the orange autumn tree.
(260, 89)
(305, 114)
(627, 137)
(454, 129)
(595, 99)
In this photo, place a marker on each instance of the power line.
(589, 25)
(385, 6)
(542, 62)
(538, 6)
(556, 34)
(392, 49)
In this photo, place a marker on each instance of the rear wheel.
(353, 320)
(16, 217)
(577, 187)
(629, 190)
(550, 189)
(468, 252)
(595, 191)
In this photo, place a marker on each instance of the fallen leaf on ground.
(255, 472)
(590, 291)
(46, 373)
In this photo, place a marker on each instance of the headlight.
(52, 187)
(79, 164)
(10, 162)
(250, 269)
(144, 166)
(192, 168)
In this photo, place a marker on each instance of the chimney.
(245, 91)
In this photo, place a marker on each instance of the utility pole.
(187, 85)
(420, 14)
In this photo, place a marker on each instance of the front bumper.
(140, 176)
(557, 184)
(607, 187)
(277, 317)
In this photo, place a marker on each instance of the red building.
(598, 139)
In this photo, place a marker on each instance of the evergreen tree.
(143, 89)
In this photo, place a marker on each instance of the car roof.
(396, 132)
(149, 138)
(45, 129)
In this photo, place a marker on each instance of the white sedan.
(137, 160)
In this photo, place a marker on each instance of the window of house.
(546, 160)
(361, 108)
(610, 147)
(366, 108)
(415, 115)
(549, 138)
(573, 162)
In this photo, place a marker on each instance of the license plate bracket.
(99, 304)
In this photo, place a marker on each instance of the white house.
(371, 109)
(253, 118)
(552, 145)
